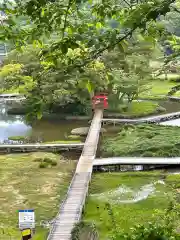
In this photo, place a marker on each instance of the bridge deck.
(36, 147)
(15, 99)
(159, 118)
(9, 95)
(135, 161)
(71, 209)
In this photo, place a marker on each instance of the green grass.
(24, 185)
(136, 109)
(17, 138)
(170, 77)
(144, 140)
(177, 94)
(126, 214)
(157, 89)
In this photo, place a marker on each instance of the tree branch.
(127, 3)
(66, 15)
(98, 53)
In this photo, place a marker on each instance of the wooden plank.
(37, 147)
(136, 161)
(159, 118)
(71, 209)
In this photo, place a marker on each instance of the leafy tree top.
(92, 26)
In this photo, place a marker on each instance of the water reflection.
(175, 122)
(46, 130)
(12, 125)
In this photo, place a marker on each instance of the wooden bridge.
(71, 209)
(9, 148)
(72, 206)
(136, 161)
(154, 119)
(11, 97)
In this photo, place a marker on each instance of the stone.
(83, 131)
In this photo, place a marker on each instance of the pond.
(48, 130)
(171, 107)
(52, 130)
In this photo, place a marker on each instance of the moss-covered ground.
(26, 186)
(145, 140)
(107, 188)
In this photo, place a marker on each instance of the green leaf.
(124, 45)
(39, 115)
(42, 12)
(98, 25)
(89, 87)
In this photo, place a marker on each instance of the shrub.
(43, 165)
(53, 163)
(47, 160)
(144, 140)
(38, 160)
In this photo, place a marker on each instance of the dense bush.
(43, 165)
(46, 162)
(144, 140)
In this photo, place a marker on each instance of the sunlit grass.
(157, 89)
(26, 186)
(136, 109)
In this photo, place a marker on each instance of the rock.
(160, 109)
(83, 131)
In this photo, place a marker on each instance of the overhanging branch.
(99, 52)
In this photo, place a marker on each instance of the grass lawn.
(136, 109)
(112, 187)
(177, 94)
(143, 140)
(157, 89)
(170, 76)
(25, 186)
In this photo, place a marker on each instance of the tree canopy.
(73, 37)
